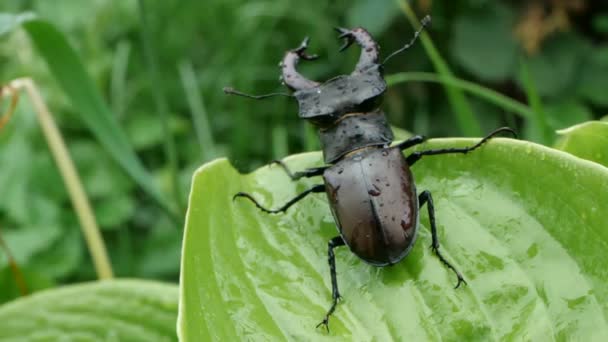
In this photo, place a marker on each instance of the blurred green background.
(170, 59)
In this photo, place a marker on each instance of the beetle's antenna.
(232, 91)
(424, 23)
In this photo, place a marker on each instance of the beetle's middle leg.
(310, 172)
(425, 197)
(335, 293)
(316, 188)
(415, 156)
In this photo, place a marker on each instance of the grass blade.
(17, 274)
(161, 104)
(198, 111)
(480, 91)
(462, 109)
(70, 176)
(540, 126)
(118, 89)
(71, 75)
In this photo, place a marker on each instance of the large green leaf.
(588, 140)
(525, 224)
(119, 310)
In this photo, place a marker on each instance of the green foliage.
(75, 82)
(90, 63)
(505, 219)
(490, 53)
(122, 310)
(588, 140)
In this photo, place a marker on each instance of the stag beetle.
(368, 183)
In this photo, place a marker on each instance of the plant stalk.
(70, 177)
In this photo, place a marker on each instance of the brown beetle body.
(374, 202)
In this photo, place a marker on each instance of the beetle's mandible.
(368, 183)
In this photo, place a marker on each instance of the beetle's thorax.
(354, 131)
(346, 111)
(344, 108)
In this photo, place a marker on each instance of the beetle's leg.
(425, 197)
(415, 156)
(415, 140)
(310, 172)
(335, 293)
(316, 188)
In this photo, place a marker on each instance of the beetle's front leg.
(335, 293)
(415, 140)
(425, 197)
(311, 172)
(316, 188)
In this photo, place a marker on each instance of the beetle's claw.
(325, 322)
(346, 44)
(460, 281)
(343, 32)
(347, 35)
(301, 50)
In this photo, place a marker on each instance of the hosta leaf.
(525, 224)
(588, 140)
(119, 310)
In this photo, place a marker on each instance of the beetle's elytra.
(369, 185)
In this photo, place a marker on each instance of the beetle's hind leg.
(310, 172)
(425, 197)
(316, 188)
(335, 293)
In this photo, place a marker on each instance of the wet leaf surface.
(525, 225)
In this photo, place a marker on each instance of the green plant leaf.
(118, 310)
(525, 224)
(588, 140)
(67, 68)
(8, 21)
(594, 77)
(561, 55)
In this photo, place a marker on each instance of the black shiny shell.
(343, 94)
(373, 199)
(354, 132)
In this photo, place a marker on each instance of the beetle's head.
(324, 103)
